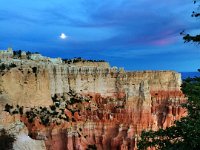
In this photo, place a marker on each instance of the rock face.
(122, 103)
(25, 86)
(13, 125)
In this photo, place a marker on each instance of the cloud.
(163, 42)
(117, 30)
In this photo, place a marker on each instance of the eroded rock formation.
(13, 125)
(121, 104)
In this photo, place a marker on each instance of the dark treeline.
(79, 59)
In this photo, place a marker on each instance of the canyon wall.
(25, 85)
(14, 126)
(35, 83)
(122, 103)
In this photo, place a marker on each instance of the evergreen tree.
(185, 134)
(189, 37)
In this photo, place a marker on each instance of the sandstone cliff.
(13, 125)
(27, 86)
(121, 105)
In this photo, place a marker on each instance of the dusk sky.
(134, 34)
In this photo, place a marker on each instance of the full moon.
(63, 36)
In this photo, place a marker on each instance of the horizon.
(139, 35)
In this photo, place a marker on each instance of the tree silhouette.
(189, 37)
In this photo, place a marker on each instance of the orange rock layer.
(110, 124)
(122, 103)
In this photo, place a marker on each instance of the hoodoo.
(57, 104)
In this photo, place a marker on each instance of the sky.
(134, 34)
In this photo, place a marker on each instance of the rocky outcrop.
(26, 86)
(14, 126)
(121, 105)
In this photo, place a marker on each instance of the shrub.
(34, 69)
(6, 140)
(2, 67)
(8, 107)
(12, 65)
(91, 147)
(21, 110)
(53, 108)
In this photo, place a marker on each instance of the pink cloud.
(163, 42)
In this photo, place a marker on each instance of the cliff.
(121, 104)
(14, 126)
(27, 86)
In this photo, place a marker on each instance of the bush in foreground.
(6, 140)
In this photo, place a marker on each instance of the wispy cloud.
(113, 29)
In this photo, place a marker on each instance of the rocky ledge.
(85, 106)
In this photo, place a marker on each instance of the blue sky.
(134, 34)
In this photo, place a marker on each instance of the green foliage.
(74, 100)
(57, 104)
(12, 65)
(6, 140)
(53, 108)
(34, 69)
(54, 98)
(45, 121)
(2, 67)
(8, 108)
(6, 66)
(183, 136)
(191, 88)
(21, 110)
(192, 38)
(17, 54)
(15, 112)
(79, 59)
(186, 132)
(52, 114)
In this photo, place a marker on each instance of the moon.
(63, 36)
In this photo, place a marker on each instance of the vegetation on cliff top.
(6, 66)
(18, 54)
(79, 59)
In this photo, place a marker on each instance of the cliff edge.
(119, 104)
